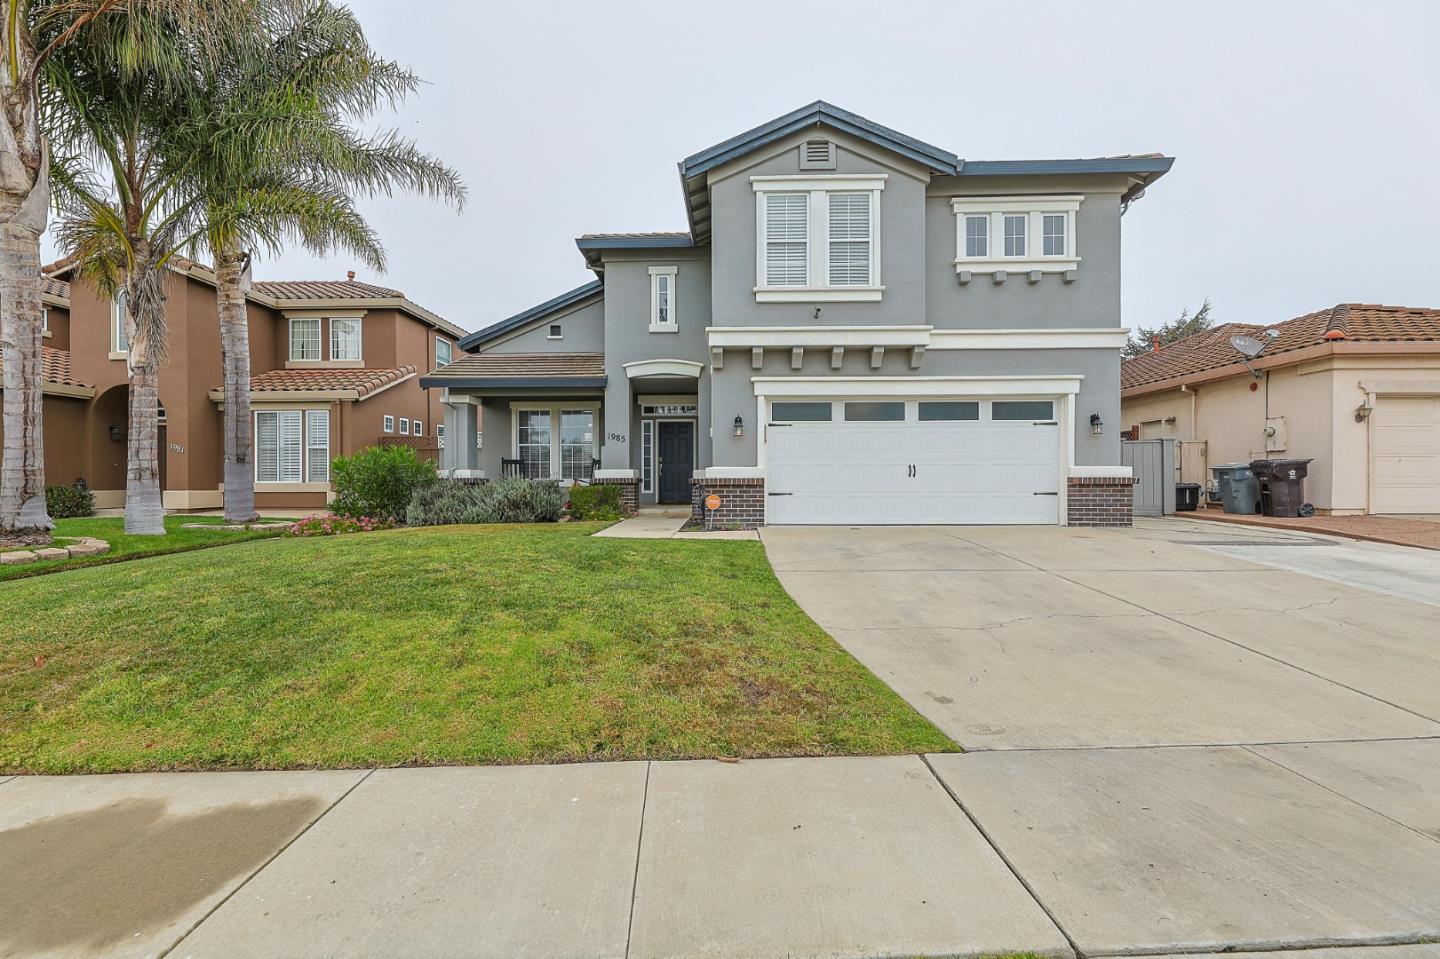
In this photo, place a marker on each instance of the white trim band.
(663, 368)
(904, 386)
(617, 474)
(1102, 472)
(788, 337)
(1108, 338)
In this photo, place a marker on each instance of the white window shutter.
(267, 469)
(289, 444)
(787, 218)
(849, 239)
(317, 446)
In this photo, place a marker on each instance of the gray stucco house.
(857, 328)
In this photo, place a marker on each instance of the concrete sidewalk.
(782, 857)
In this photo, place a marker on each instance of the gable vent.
(817, 155)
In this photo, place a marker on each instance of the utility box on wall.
(1275, 438)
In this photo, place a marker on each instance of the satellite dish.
(1248, 346)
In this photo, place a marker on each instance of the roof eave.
(539, 311)
(435, 380)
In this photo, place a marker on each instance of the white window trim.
(306, 480)
(319, 339)
(387, 425)
(1034, 209)
(655, 325)
(555, 336)
(117, 328)
(404, 426)
(359, 340)
(817, 232)
(556, 421)
(438, 341)
(417, 427)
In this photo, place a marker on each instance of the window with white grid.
(317, 446)
(577, 444)
(305, 339)
(532, 443)
(345, 338)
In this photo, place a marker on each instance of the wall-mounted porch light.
(739, 426)
(116, 434)
(1096, 426)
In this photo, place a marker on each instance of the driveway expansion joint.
(639, 846)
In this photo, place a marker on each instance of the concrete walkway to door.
(1176, 743)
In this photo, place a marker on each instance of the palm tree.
(276, 161)
(124, 224)
(34, 32)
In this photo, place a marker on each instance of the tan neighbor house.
(335, 368)
(1355, 387)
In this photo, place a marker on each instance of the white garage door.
(1405, 467)
(907, 462)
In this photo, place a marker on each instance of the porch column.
(461, 418)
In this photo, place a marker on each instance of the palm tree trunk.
(145, 322)
(22, 475)
(232, 279)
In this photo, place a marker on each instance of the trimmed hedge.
(68, 502)
(514, 500)
(595, 502)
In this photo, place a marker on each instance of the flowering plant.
(328, 524)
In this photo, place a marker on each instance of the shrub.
(330, 525)
(512, 500)
(446, 503)
(379, 482)
(64, 502)
(595, 502)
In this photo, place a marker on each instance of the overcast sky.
(1306, 134)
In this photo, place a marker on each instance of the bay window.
(817, 238)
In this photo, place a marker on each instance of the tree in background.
(1142, 341)
(276, 160)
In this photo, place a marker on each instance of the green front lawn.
(446, 645)
(177, 539)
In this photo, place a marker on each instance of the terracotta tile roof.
(1348, 322)
(363, 382)
(321, 289)
(56, 367)
(54, 287)
(529, 365)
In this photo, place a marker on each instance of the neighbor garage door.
(878, 461)
(1405, 461)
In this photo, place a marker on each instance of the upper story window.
(662, 299)
(305, 338)
(345, 338)
(1019, 233)
(45, 319)
(119, 339)
(557, 332)
(817, 238)
(444, 352)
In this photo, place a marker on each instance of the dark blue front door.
(677, 461)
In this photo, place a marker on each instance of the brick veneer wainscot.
(742, 500)
(1100, 500)
(629, 492)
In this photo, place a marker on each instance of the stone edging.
(86, 546)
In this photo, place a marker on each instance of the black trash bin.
(1282, 485)
(1187, 497)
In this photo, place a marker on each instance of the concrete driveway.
(1168, 634)
(1181, 737)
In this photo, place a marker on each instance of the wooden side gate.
(1153, 462)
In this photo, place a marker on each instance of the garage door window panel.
(871, 412)
(948, 411)
(1022, 410)
(801, 413)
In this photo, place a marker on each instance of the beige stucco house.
(1355, 387)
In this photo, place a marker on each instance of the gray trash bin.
(1239, 489)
